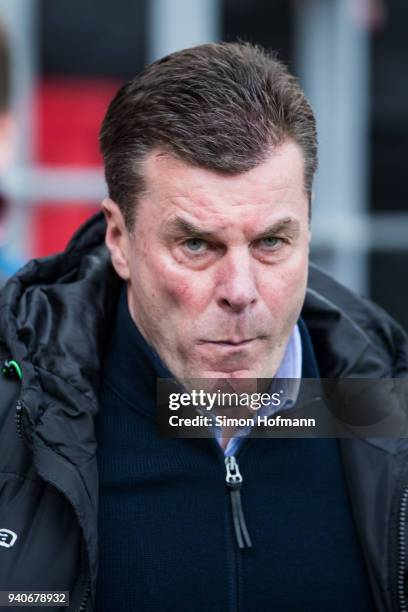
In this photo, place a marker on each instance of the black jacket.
(54, 321)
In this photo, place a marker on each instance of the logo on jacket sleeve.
(7, 538)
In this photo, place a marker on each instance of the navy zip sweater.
(165, 527)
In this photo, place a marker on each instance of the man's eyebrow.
(286, 225)
(180, 225)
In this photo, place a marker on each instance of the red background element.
(69, 115)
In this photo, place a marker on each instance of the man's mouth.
(232, 342)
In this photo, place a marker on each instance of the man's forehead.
(178, 195)
(163, 170)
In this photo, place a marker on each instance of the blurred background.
(351, 56)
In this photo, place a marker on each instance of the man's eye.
(195, 245)
(270, 242)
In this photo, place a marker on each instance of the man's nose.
(237, 289)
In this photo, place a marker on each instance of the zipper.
(85, 597)
(402, 551)
(20, 406)
(19, 416)
(234, 482)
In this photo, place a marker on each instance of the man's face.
(217, 264)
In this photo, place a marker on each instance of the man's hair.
(4, 71)
(222, 107)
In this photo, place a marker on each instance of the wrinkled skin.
(216, 265)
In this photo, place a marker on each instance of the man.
(209, 157)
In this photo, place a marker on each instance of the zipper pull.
(234, 482)
(11, 369)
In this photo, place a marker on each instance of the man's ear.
(117, 238)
